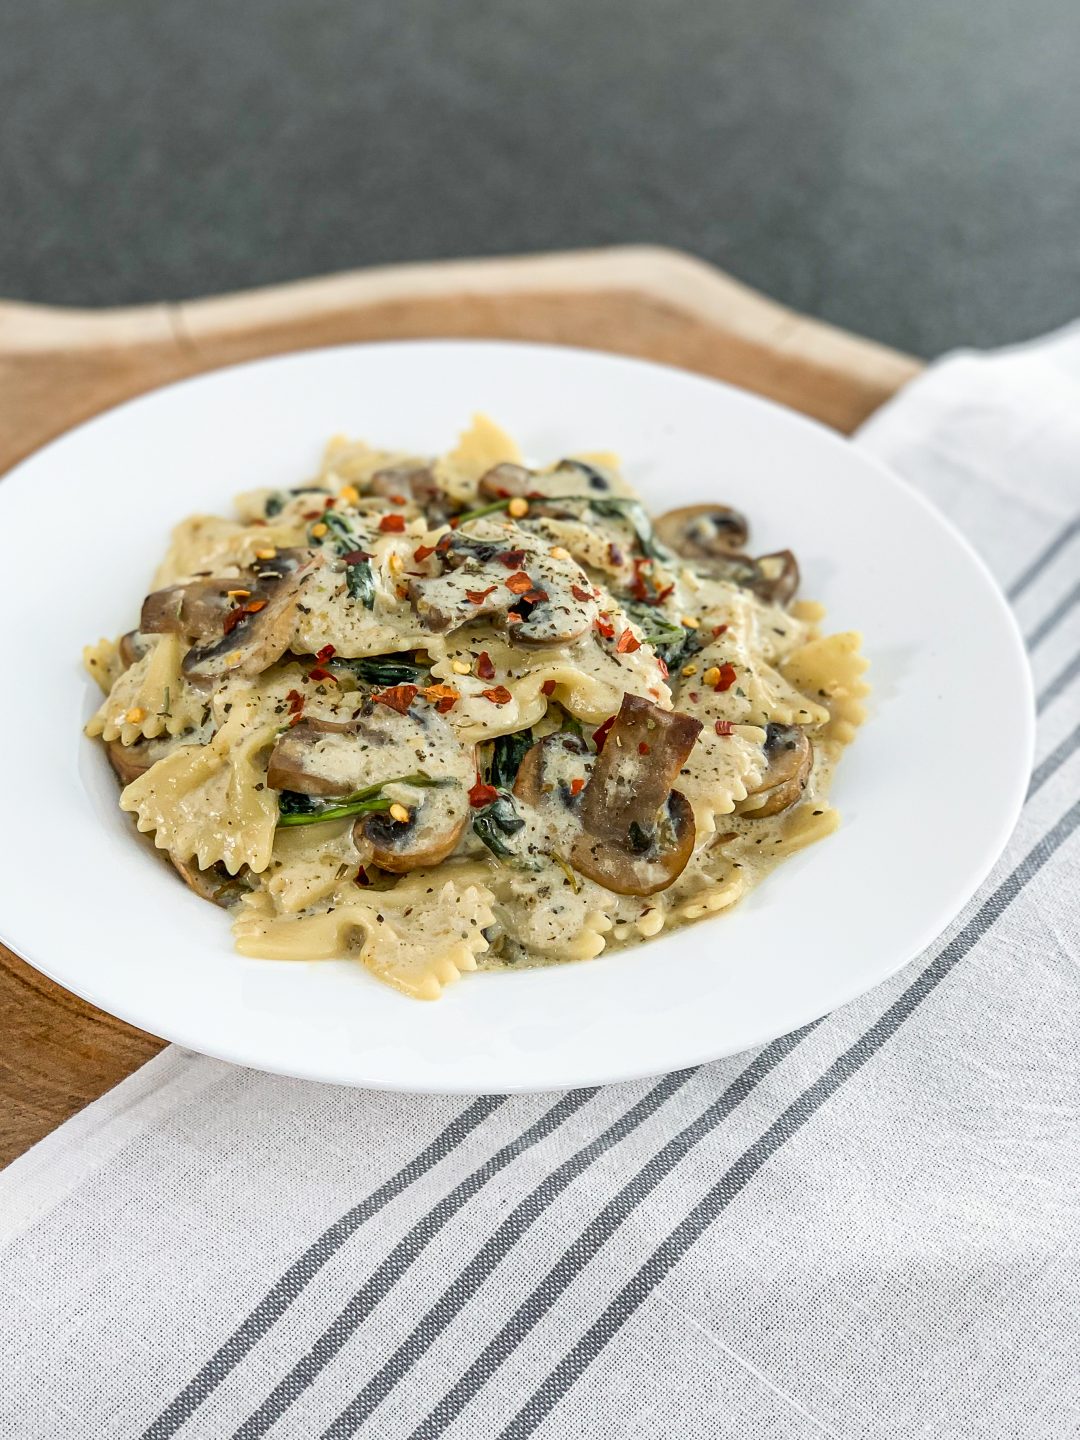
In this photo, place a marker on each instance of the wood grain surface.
(60, 367)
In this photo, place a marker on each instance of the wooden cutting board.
(59, 367)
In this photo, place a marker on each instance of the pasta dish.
(441, 715)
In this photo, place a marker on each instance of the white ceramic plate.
(928, 793)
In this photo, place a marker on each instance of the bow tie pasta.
(437, 714)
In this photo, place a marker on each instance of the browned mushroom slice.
(541, 600)
(380, 747)
(261, 636)
(702, 531)
(215, 884)
(773, 578)
(415, 482)
(506, 481)
(197, 609)
(131, 648)
(129, 761)
(779, 577)
(637, 832)
(431, 832)
(321, 757)
(790, 757)
(547, 768)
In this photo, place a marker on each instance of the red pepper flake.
(482, 794)
(548, 687)
(718, 630)
(296, 717)
(643, 747)
(318, 673)
(325, 653)
(694, 696)
(392, 524)
(661, 665)
(600, 734)
(354, 557)
(295, 699)
(627, 643)
(513, 618)
(604, 625)
(398, 697)
(398, 500)
(725, 727)
(477, 597)
(310, 514)
(661, 595)
(512, 559)
(535, 597)
(519, 583)
(638, 588)
(498, 695)
(362, 877)
(233, 618)
(443, 697)
(442, 545)
(615, 555)
(484, 667)
(577, 785)
(728, 677)
(423, 551)
(580, 594)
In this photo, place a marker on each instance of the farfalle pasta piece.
(209, 545)
(550, 913)
(480, 448)
(102, 663)
(306, 865)
(149, 698)
(831, 668)
(211, 802)
(722, 770)
(507, 688)
(418, 937)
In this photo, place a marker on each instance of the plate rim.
(844, 994)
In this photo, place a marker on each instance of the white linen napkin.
(867, 1228)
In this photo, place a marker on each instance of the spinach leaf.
(674, 643)
(382, 669)
(495, 822)
(507, 753)
(297, 809)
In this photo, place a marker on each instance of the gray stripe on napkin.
(281, 1295)
(737, 1176)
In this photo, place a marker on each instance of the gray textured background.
(909, 169)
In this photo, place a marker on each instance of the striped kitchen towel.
(868, 1228)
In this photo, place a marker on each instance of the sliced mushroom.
(431, 833)
(197, 609)
(772, 578)
(263, 636)
(542, 600)
(546, 768)
(637, 832)
(131, 648)
(381, 746)
(129, 761)
(790, 756)
(702, 531)
(779, 578)
(323, 757)
(215, 884)
(505, 481)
